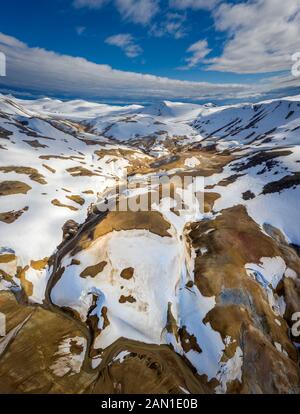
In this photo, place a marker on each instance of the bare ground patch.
(13, 187)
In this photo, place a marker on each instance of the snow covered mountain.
(199, 300)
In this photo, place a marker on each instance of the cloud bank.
(44, 72)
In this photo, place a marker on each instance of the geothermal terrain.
(198, 300)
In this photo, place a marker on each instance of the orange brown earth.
(198, 299)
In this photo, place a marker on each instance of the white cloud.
(125, 42)
(136, 11)
(173, 25)
(193, 4)
(80, 30)
(198, 52)
(91, 4)
(262, 36)
(10, 41)
(44, 72)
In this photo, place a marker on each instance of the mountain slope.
(203, 294)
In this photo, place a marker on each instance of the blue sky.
(53, 24)
(206, 43)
